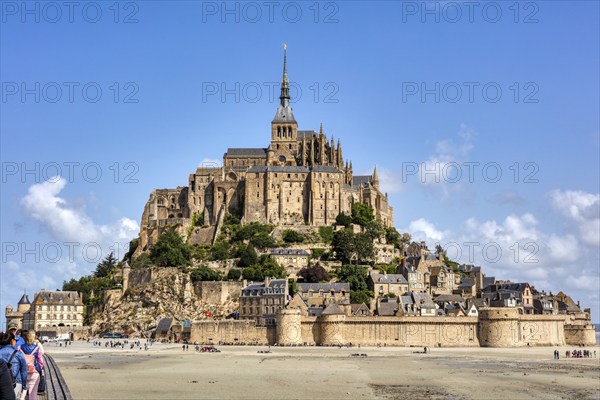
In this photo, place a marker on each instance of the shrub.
(343, 219)
(362, 214)
(247, 255)
(234, 274)
(326, 233)
(205, 274)
(170, 250)
(292, 236)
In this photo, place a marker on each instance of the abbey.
(300, 178)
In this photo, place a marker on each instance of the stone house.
(321, 294)
(360, 310)
(261, 301)
(49, 309)
(293, 260)
(443, 280)
(383, 284)
(509, 293)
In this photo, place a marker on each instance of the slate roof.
(325, 168)
(387, 309)
(448, 298)
(357, 307)
(300, 252)
(315, 311)
(389, 278)
(24, 299)
(358, 180)
(164, 324)
(514, 287)
(423, 300)
(306, 134)
(274, 168)
(466, 283)
(332, 309)
(59, 297)
(246, 152)
(487, 281)
(326, 287)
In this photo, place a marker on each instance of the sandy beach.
(166, 372)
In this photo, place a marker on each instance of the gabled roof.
(246, 152)
(466, 283)
(355, 308)
(299, 252)
(58, 297)
(452, 298)
(487, 281)
(326, 287)
(332, 309)
(389, 278)
(387, 309)
(164, 324)
(423, 300)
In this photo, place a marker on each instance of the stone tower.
(126, 271)
(24, 304)
(289, 326)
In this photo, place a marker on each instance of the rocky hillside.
(159, 293)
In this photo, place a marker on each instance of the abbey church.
(301, 178)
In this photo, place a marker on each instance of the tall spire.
(375, 178)
(284, 110)
(285, 84)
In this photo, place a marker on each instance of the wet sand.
(239, 372)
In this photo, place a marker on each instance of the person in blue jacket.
(18, 369)
(12, 328)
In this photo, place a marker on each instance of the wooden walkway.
(56, 387)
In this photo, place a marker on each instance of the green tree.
(314, 274)
(343, 245)
(292, 236)
(133, 245)
(362, 214)
(220, 251)
(361, 296)
(253, 273)
(364, 247)
(234, 274)
(392, 236)
(200, 252)
(170, 250)
(205, 274)
(343, 219)
(106, 267)
(326, 233)
(355, 275)
(247, 255)
(374, 229)
(143, 261)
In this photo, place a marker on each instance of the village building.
(293, 260)
(384, 284)
(319, 295)
(49, 309)
(261, 301)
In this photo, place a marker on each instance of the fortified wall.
(495, 327)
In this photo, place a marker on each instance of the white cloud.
(581, 209)
(444, 166)
(66, 223)
(421, 229)
(210, 163)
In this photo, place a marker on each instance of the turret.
(375, 178)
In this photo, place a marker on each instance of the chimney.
(403, 262)
(267, 281)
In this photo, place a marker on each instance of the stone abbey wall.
(495, 327)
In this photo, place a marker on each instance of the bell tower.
(284, 128)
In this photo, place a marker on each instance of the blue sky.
(391, 80)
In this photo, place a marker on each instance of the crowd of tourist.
(22, 364)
